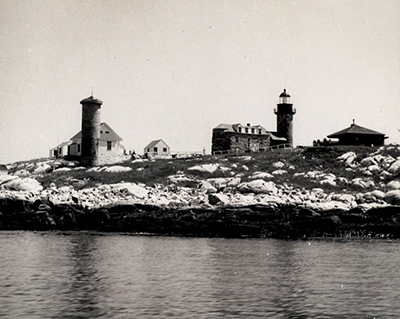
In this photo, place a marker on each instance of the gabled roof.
(61, 145)
(104, 127)
(235, 127)
(154, 143)
(354, 129)
(228, 127)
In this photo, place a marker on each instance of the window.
(252, 131)
(237, 139)
(101, 132)
(108, 146)
(246, 130)
(79, 148)
(155, 150)
(164, 150)
(259, 131)
(240, 130)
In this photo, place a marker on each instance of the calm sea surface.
(92, 275)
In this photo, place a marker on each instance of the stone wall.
(245, 142)
(232, 141)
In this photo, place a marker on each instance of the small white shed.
(157, 148)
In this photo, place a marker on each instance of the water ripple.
(88, 275)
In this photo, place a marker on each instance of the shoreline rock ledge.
(210, 215)
(328, 192)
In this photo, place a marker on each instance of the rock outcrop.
(212, 199)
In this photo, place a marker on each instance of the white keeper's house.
(109, 144)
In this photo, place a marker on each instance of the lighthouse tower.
(284, 114)
(90, 130)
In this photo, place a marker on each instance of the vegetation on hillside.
(157, 172)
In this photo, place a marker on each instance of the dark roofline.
(354, 129)
(152, 143)
(91, 100)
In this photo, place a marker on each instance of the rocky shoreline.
(192, 202)
(255, 221)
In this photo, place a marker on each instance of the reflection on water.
(88, 275)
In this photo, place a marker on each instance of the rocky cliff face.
(243, 201)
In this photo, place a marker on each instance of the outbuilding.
(358, 135)
(157, 148)
(60, 150)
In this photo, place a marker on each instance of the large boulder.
(378, 194)
(117, 169)
(43, 168)
(362, 183)
(374, 168)
(63, 169)
(183, 180)
(261, 175)
(393, 197)
(218, 199)
(208, 168)
(387, 161)
(345, 198)
(328, 181)
(131, 189)
(207, 187)
(393, 185)
(6, 178)
(395, 167)
(279, 172)
(222, 182)
(348, 157)
(22, 184)
(368, 161)
(258, 186)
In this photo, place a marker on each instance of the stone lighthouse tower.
(90, 130)
(284, 114)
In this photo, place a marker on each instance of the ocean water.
(95, 275)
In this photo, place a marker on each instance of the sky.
(175, 69)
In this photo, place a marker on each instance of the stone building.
(240, 138)
(255, 138)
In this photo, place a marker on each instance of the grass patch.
(322, 159)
